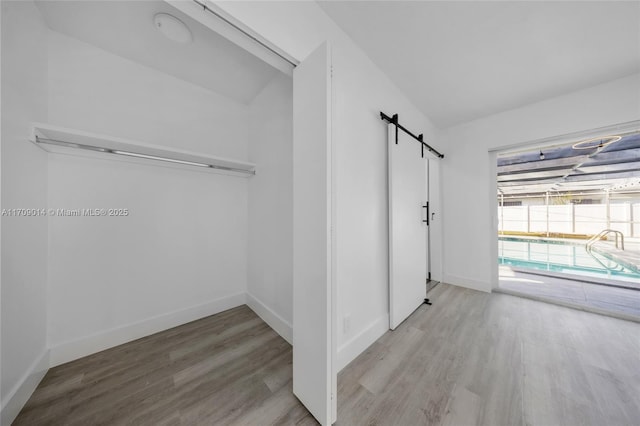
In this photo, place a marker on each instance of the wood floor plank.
(494, 359)
(210, 371)
(470, 359)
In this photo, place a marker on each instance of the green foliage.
(566, 198)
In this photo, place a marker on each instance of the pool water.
(560, 256)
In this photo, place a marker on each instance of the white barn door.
(314, 377)
(407, 227)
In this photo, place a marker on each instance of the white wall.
(360, 92)
(182, 251)
(94, 90)
(270, 280)
(24, 185)
(436, 219)
(470, 247)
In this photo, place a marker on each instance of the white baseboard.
(72, 350)
(467, 283)
(275, 321)
(20, 394)
(361, 341)
(79, 348)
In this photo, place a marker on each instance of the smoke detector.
(172, 28)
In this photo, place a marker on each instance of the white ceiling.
(459, 61)
(126, 29)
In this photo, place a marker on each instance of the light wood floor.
(491, 359)
(230, 368)
(471, 358)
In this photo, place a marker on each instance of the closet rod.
(251, 36)
(394, 120)
(127, 153)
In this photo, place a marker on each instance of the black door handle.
(426, 206)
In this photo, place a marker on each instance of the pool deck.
(601, 298)
(630, 243)
(630, 258)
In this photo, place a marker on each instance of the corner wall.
(361, 91)
(24, 186)
(469, 180)
(181, 253)
(270, 265)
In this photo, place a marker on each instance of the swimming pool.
(560, 256)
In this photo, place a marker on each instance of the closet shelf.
(69, 141)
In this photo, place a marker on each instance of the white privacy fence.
(571, 218)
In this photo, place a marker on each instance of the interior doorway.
(408, 232)
(409, 217)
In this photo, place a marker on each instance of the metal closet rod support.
(138, 155)
(394, 120)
